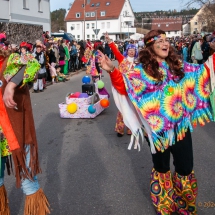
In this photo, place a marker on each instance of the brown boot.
(37, 204)
(4, 206)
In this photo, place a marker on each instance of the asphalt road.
(87, 169)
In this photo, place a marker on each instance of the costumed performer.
(17, 132)
(93, 67)
(131, 54)
(167, 97)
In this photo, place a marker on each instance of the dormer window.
(87, 14)
(102, 13)
(92, 5)
(159, 25)
(77, 15)
(97, 4)
(107, 3)
(167, 25)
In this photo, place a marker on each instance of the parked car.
(64, 35)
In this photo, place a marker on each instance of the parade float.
(86, 104)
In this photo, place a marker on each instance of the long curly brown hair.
(150, 64)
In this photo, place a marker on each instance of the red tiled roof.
(112, 11)
(167, 24)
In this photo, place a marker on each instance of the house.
(172, 26)
(88, 17)
(197, 23)
(36, 12)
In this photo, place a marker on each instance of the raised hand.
(105, 63)
(107, 38)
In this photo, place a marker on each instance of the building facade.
(196, 23)
(172, 26)
(114, 17)
(36, 12)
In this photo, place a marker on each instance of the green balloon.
(100, 84)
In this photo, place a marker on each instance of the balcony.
(128, 29)
(128, 19)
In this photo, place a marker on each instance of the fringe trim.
(4, 207)
(36, 204)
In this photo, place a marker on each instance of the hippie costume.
(18, 136)
(167, 111)
(120, 125)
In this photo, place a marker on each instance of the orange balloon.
(104, 103)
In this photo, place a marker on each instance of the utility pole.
(128, 30)
(84, 19)
(96, 25)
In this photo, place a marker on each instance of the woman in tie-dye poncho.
(166, 99)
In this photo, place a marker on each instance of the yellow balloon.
(72, 108)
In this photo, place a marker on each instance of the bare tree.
(207, 16)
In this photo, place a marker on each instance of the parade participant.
(130, 54)
(168, 97)
(17, 132)
(67, 57)
(40, 57)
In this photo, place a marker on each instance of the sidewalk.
(49, 83)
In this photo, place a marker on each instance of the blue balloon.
(86, 79)
(91, 109)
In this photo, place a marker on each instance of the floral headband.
(155, 38)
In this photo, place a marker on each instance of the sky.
(137, 5)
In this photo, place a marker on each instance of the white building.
(172, 26)
(26, 11)
(113, 16)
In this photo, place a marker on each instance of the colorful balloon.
(91, 109)
(100, 84)
(86, 79)
(72, 108)
(104, 103)
(83, 95)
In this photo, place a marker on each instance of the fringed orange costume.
(18, 136)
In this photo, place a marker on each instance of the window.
(102, 25)
(97, 4)
(92, 14)
(25, 4)
(195, 23)
(88, 25)
(78, 36)
(93, 36)
(108, 24)
(195, 29)
(93, 25)
(102, 13)
(78, 26)
(107, 3)
(72, 26)
(88, 36)
(168, 32)
(87, 14)
(92, 5)
(40, 9)
(176, 32)
(78, 15)
(167, 25)
(159, 25)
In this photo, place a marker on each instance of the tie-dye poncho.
(168, 108)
